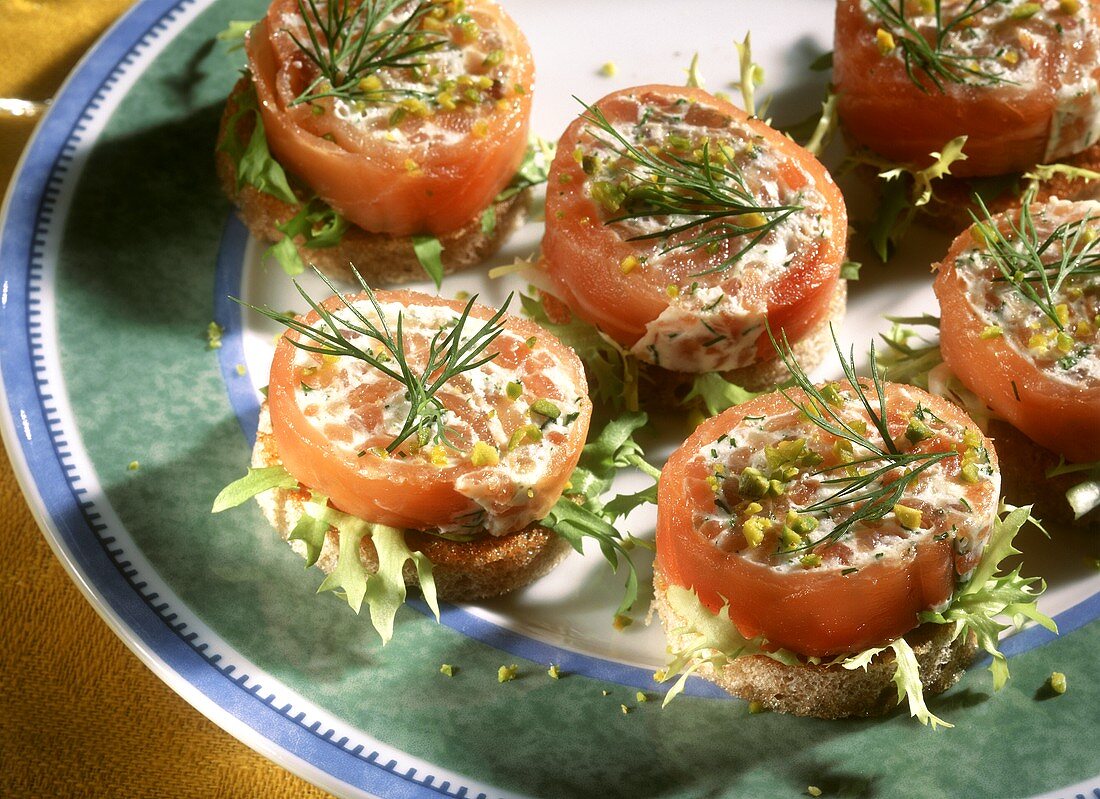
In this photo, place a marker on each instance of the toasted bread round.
(666, 389)
(1024, 465)
(831, 692)
(464, 570)
(379, 258)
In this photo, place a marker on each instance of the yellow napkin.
(80, 714)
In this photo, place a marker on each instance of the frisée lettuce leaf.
(383, 590)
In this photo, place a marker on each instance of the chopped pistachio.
(753, 529)
(885, 41)
(789, 537)
(214, 336)
(917, 430)
(484, 454)
(241, 370)
(810, 561)
(813, 790)
(970, 473)
(545, 407)
(513, 390)
(752, 483)
(972, 438)
(624, 709)
(507, 673)
(1026, 10)
(133, 466)
(909, 518)
(621, 621)
(554, 671)
(991, 331)
(756, 707)
(1058, 682)
(628, 264)
(528, 432)
(672, 291)
(609, 69)
(1069, 6)
(832, 395)
(447, 669)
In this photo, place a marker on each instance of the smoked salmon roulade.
(1019, 296)
(398, 118)
(679, 226)
(804, 532)
(446, 430)
(1018, 79)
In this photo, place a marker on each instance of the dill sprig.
(929, 54)
(857, 488)
(448, 354)
(710, 191)
(1071, 250)
(347, 47)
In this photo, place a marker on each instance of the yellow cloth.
(79, 714)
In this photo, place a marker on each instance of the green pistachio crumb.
(605, 693)
(624, 709)
(909, 518)
(813, 790)
(133, 467)
(1058, 683)
(513, 390)
(447, 669)
(554, 671)
(545, 407)
(752, 483)
(641, 697)
(507, 673)
(917, 430)
(241, 370)
(832, 395)
(756, 707)
(214, 336)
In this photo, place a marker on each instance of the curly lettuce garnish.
(905, 189)
(705, 638)
(976, 604)
(906, 678)
(716, 394)
(254, 163)
(234, 32)
(384, 590)
(613, 371)
(584, 511)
